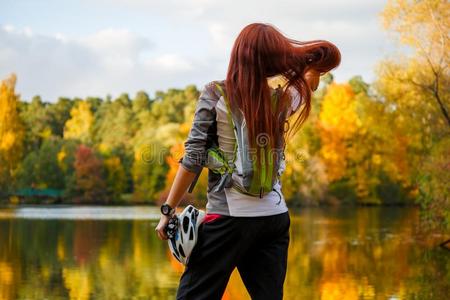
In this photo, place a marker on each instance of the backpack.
(241, 172)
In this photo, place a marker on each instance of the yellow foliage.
(14, 200)
(77, 282)
(417, 84)
(112, 163)
(80, 123)
(8, 141)
(338, 122)
(46, 133)
(104, 148)
(376, 159)
(11, 130)
(419, 23)
(60, 250)
(338, 111)
(61, 155)
(185, 127)
(339, 288)
(6, 273)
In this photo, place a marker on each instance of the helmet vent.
(180, 249)
(185, 224)
(174, 246)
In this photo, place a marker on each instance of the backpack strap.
(230, 121)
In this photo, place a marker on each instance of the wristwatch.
(167, 210)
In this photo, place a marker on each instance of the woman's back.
(212, 112)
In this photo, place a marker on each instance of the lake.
(113, 253)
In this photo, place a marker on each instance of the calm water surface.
(113, 253)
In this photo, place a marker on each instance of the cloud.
(169, 62)
(110, 61)
(353, 25)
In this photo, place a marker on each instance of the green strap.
(262, 154)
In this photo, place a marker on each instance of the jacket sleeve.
(203, 131)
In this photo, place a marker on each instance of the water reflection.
(364, 253)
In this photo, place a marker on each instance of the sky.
(80, 48)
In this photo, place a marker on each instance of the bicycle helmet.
(182, 231)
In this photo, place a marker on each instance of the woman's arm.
(202, 131)
(183, 179)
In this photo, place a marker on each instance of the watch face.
(165, 209)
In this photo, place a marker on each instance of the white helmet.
(182, 231)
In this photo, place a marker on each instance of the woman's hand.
(313, 79)
(160, 228)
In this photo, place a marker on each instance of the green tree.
(41, 169)
(167, 106)
(115, 177)
(149, 172)
(60, 113)
(114, 124)
(434, 196)
(37, 121)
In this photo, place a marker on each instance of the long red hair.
(261, 51)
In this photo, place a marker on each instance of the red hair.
(262, 51)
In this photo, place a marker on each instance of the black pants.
(257, 246)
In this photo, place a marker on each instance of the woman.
(241, 230)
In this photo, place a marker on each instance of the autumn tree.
(415, 89)
(11, 134)
(362, 149)
(338, 123)
(90, 181)
(79, 126)
(424, 27)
